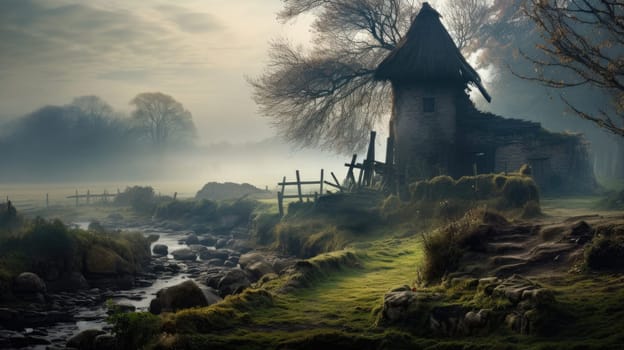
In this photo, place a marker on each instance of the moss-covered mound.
(52, 250)
(512, 191)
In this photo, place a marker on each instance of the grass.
(341, 300)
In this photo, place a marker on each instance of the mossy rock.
(182, 296)
(104, 261)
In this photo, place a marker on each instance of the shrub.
(605, 253)
(135, 330)
(141, 199)
(517, 192)
(444, 247)
(263, 227)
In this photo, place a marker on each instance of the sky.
(198, 51)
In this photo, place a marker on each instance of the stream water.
(94, 316)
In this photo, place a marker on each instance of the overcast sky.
(198, 51)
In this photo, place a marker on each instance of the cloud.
(190, 21)
(80, 38)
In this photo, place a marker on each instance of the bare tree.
(163, 119)
(583, 46)
(465, 20)
(327, 96)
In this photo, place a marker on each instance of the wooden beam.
(350, 175)
(280, 203)
(297, 196)
(336, 179)
(301, 182)
(283, 184)
(333, 185)
(299, 186)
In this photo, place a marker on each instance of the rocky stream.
(219, 265)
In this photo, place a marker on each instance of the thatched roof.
(428, 53)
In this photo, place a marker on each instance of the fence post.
(322, 178)
(280, 203)
(299, 186)
(336, 180)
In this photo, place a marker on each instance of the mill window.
(428, 104)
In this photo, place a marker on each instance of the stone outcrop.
(530, 309)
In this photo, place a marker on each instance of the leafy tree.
(162, 119)
(327, 96)
(583, 43)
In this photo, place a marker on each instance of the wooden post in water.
(280, 203)
(76, 197)
(47, 200)
(299, 186)
(175, 195)
(88, 196)
(322, 179)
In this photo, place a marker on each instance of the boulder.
(233, 282)
(404, 305)
(28, 282)
(182, 296)
(211, 294)
(215, 262)
(208, 254)
(69, 282)
(221, 243)
(259, 269)
(197, 248)
(84, 340)
(250, 259)
(104, 342)
(448, 320)
(160, 249)
(208, 241)
(213, 276)
(191, 239)
(184, 254)
(514, 287)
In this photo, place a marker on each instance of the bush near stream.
(217, 216)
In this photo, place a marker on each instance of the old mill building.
(437, 130)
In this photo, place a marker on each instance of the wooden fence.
(281, 194)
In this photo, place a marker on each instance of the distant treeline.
(88, 134)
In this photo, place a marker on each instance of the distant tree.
(92, 107)
(583, 46)
(327, 97)
(162, 119)
(140, 198)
